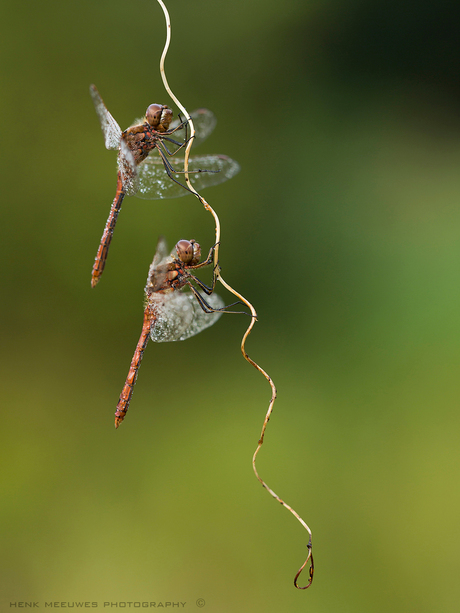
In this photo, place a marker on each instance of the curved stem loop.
(239, 296)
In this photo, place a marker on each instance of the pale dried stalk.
(192, 133)
(262, 434)
(239, 296)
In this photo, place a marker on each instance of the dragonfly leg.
(164, 136)
(207, 262)
(161, 144)
(183, 124)
(207, 308)
(207, 290)
(175, 142)
(170, 169)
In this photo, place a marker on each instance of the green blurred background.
(343, 229)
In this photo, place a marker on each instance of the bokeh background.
(343, 229)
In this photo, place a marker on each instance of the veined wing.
(110, 129)
(153, 183)
(179, 316)
(128, 169)
(156, 275)
(161, 253)
(204, 122)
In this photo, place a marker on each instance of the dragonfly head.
(189, 252)
(159, 116)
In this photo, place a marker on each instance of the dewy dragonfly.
(153, 176)
(170, 314)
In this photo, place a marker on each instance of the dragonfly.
(171, 314)
(144, 169)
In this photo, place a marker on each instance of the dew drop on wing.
(182, 317)
(202, 320)
(152, 181)
(173, 316)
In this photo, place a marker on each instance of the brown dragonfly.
(171, 314)
(151, 176)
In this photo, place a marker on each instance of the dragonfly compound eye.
(189, 252)
(184, 251)
(153, 114)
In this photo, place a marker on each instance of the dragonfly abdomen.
(103, 250)
(127, 391)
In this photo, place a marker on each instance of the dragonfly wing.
(179, 316)
(157, 270)
(110, 129)
(204, 122)
(173, 315)
(161, 252)
(223, 168)
(138, 121)
(128, 169)
(202, 320)
(153, 183)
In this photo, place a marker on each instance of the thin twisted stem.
(239, 296)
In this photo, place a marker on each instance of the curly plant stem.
(235, 293)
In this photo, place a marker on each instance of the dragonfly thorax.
(166, 277)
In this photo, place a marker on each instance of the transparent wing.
(179, 316)
(110, 129)
(204, 122)
(153, 183)
(161, 253)
(173, 313)
(156, 275)
(201, 320)
(128, 169)
(137, 122)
